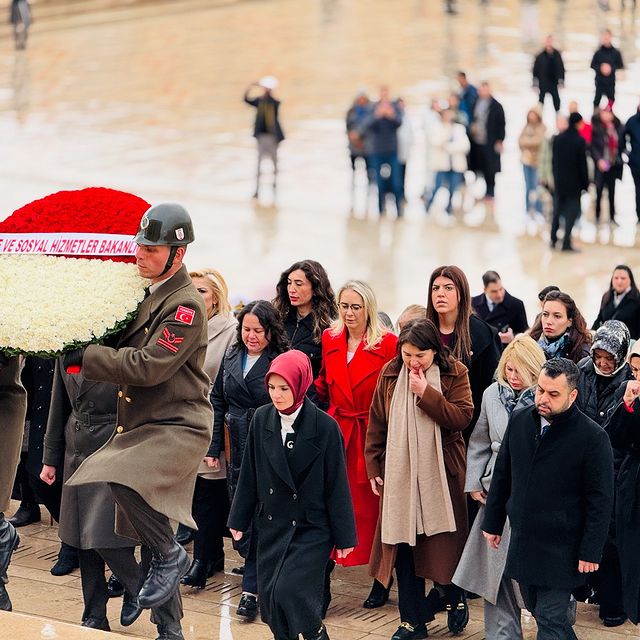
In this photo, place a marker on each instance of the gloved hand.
(72, 361)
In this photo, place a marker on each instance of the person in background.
(294, 456)
(210, 499)
(559, 529)
(481, 569)
(468, 95)
(548, 73)
(20, 19)
(459, 115)
(606, 62)
(236, 394)
(634, 360)
(570, 178)
(386, 321)
(606, 144)
(266, 129)
(545, 160)
(354, 350)
(585, 129)
(406, 138)
(412, 312)
(449, 148)
(631, 144)
(530, 142)
(487, 137)
(359, 143)
(415, 456)
(499, 308)
(563, 331)
(621, 301)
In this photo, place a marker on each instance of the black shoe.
(65, 564)
(248, 607)
(26, 514)
(9, 541)
(130, 611)
(184, 535)
(552, 244)
(457, 617)
(170, 632)
(197, 575)
(614, 621)
(97, 623)
(378, 596)
(163, 577)
(115, 588)
(326, 594)
(435, 603)
(215, 566)
(320, 635)
(238, 571)
(406, 632)
(571, 249)
(5, 601)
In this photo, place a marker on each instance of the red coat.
(349, 390)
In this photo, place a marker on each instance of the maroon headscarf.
(295, 367)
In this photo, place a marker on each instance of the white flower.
(49, 302)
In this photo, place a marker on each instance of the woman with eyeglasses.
(562, 331)
(354, 350)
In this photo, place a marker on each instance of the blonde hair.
(375, 329)
(218, 287)
(527, 358)
(412, 312)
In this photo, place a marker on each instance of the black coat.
(548, 69)
(569, 160)
(266, 105)
(509, 312)
(301, 337)
(496, 131)
(302, 509)
(624, 431)
(632, 142)
(598, 143)
(611, 56)
(628, 311)
(37, 378)
(557, 491)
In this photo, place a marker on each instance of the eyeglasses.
(354, 307)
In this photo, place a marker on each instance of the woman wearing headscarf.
(481, 568)
(415, 457)
(602, 378)
(294, 478)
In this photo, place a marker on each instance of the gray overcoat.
(82, 417)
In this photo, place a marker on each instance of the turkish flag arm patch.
(170, 341)
(185, 315)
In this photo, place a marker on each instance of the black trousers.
(210, 511)
(604, 89)
(607, 582)
(94, 583)
(606, 179)
(156, 535)
(636, 182)
(549, 608)
(552, 90)
(567, 207)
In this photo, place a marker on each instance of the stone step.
(19, 626)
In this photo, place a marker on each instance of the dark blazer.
(628, 311)
(569, 162)
(632, 142)
(611, 56)
(266, 104)
(496, 131)
(509, 312)
(557, 491)
(624, 430)
(548, 68)
(302, 509)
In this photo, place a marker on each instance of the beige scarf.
(416, 498)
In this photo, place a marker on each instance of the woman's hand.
(417, 381)
(212, 463)
(236, 535)
(631, 392)
(343, 553)
(479, 496)
(48, 474)
(375, 483)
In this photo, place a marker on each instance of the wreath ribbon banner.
(68, 244)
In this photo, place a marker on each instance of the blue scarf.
(552, 349)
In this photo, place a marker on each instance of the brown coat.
(435, 557)
(13, 408)
(164, 417)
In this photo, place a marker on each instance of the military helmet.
(167, 223)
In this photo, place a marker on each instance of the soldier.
(13, 409)
(164, 417)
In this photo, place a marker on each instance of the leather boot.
(114, 587)
(97, 623)
(378, 596)
(197, 575)
(326, 595)
(131, 610)
(163, 577)
(26, 514)
(171, 631)
(5, 601)
(9, 541)
(321, 634)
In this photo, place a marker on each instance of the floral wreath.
(67, 271)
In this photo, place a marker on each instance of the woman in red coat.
(354, 350)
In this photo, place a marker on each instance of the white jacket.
(449, 145)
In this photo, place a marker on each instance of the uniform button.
(119, 428)
(127, 398)
(602, 413)
(40, 388)
(120, 394)
(294, 523)
(146, 331)
(295, 496)
(38, 407)
(270, 491)
(76, 453)
(91, 403)
(91, 429)
(77, 427)
(269, 517)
